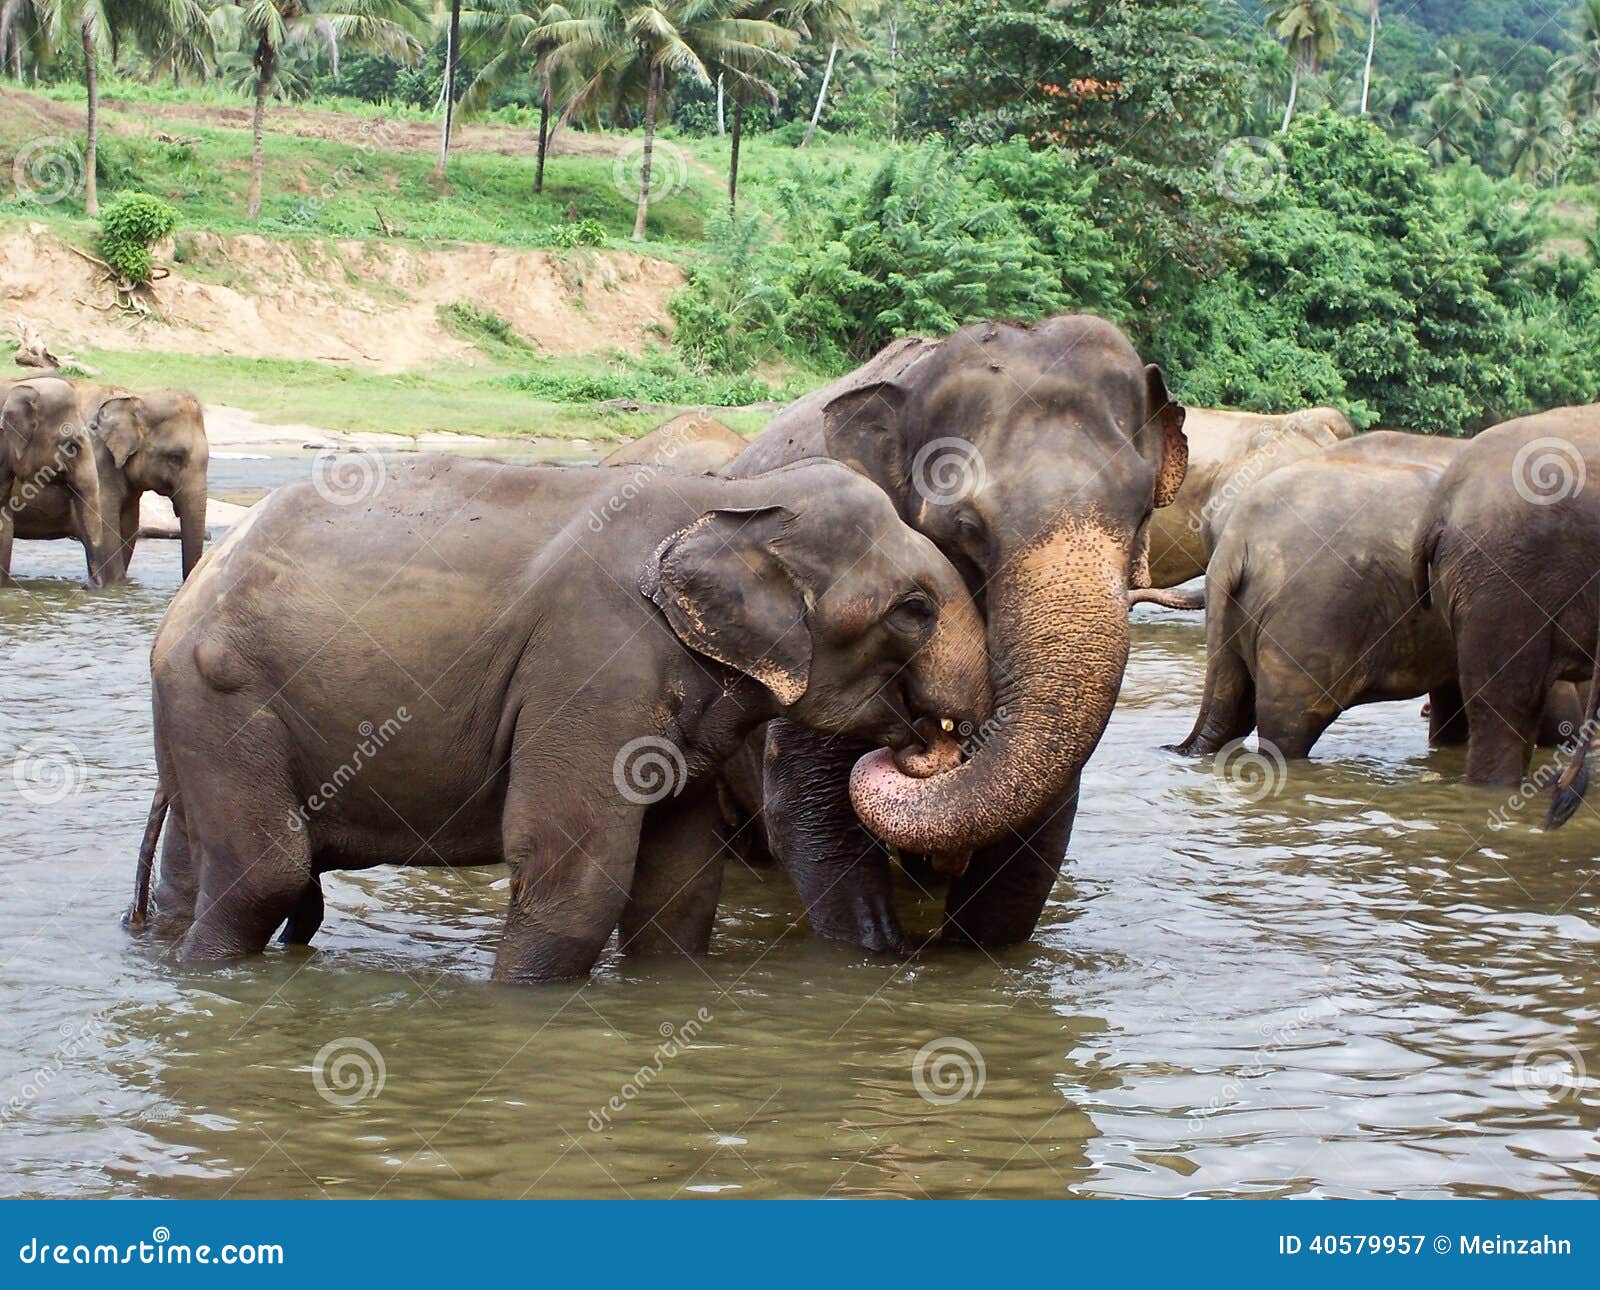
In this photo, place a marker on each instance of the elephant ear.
(1169, 416)
(20, 414)
(728, 595)
(126, 430)
(862, 428)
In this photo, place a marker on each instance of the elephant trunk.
(1058, 640)
(190, 503)
(949, 677)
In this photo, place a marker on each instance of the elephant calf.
(485, 663)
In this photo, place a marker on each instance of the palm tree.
(1309, 29)
(835, 22)
(1372, 44)
(1578, 73)
(452, 49)
(1462, 98)
(750, 74)
(515, 30)
(100, 26)
(1532, 141)
(266, 28)
(630, 51)
(21, 29)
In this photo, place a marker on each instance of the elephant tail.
(1168, 599)
(1229, 695)
(1568, 793)
(1422, 551)
(139, 912)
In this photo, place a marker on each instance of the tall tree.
(750, 76)
(1531, 143)
(625, 51)
(266, 28)
(1372, 45)
(1309, 30)
(1578, 73)
(512, 36)
(21, 28)
(452, 55)
(835, 22)
(99, 27)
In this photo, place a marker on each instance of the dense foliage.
(128, 229)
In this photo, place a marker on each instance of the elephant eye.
(913, 613)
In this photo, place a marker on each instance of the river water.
(1345, 980)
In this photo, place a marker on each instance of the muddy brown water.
(1340, 981)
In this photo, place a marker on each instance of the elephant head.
(1034, 457)
(157, 443)
(43, 442)
(816, 589)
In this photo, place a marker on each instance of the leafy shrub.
(129, 227)
(482, 325)
(730, 315)
(582, 232)
(654, 377)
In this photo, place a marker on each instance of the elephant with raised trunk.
(547, 671)
(1510, 553)
(143, 443)
(1033, 456)
(47, 460)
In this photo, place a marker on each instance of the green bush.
(129, 227)
(655, 377)
(582, 232)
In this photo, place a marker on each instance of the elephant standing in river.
(47, 457)
(550, 669)
(1229, 452)
(142, 443)
(1510, 553)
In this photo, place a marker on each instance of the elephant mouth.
(938, 753)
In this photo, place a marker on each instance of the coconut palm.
(626, 51)
(1578, 73)
(1309, 29)
(1372, 45)
(266, 28)
(1461, 100)
(833, 21)
(176, 27)
(1533, 137)
(21, 33)
(749, 77)
(452, 54)
(510, 36)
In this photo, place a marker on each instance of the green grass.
(462, 399)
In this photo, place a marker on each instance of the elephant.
(1310, 607)
(691, 442)
(1229, 452)
(1033, 456)
(1509, 551)
(549, 668)
(143, 443)
(47, 458)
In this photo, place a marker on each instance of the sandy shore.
(233, 428)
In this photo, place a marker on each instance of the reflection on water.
(1340, 982)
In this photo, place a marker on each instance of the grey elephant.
(1509, 552)
(1033, 456)
(1229, 452)
(143, 443)
(691, 442)
(549, 670)
(48, 459)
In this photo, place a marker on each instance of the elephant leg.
(178, 885)
(1291, 716)
(8, 528)
(571, 871)
(1562, 715)
(1227, 705)
(841, 871)
(1447, 717)
(673, 902)
(1504, 695)
(127, 537)
(999, 899)
(306, 918)
(739, 791)
(254, 869)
